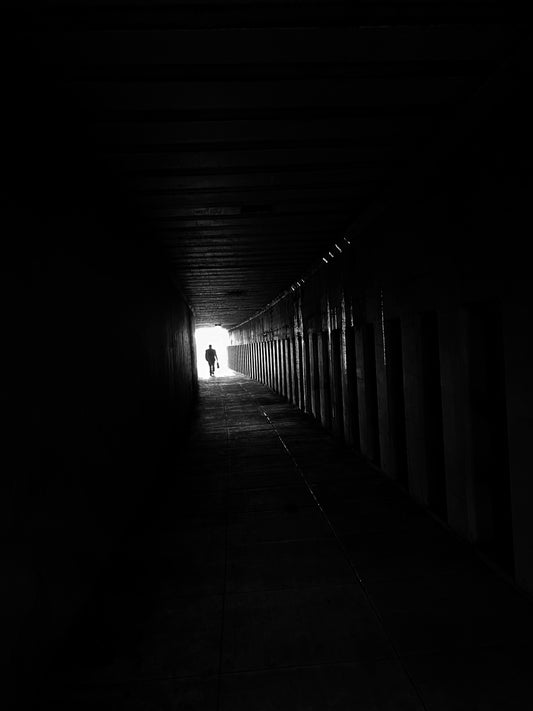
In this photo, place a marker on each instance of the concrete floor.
(285, 574)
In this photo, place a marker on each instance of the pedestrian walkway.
(283, 573)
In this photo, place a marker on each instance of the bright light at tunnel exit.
(218, 338)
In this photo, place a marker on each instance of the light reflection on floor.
(203, 372)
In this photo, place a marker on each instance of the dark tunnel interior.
(344, 186)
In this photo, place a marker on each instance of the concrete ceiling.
(249, 135)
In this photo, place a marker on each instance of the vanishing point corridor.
(335, 196)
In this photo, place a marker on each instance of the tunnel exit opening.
(218, 338)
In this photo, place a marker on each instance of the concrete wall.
(100, 376)
(112, 383)
(413, 346)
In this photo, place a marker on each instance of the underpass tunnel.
(334, 197)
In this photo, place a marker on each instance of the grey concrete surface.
(282, 572)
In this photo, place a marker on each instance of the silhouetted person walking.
(211, 357)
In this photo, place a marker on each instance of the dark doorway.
(307, 372)
(351, 406)
(324, 372)
(491, 485)
(396, 399)
(371, 394)
(432, 404)
(315, 377)
(336, 384)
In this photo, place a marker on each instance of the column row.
(423, 397)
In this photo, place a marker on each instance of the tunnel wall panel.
(393, 368)
(111, 380)
(115, 383)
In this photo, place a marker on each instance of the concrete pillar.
(252, 360)
(350, 414)
(455, 411)
(414, 408)
(294, 374)
(282, 352)
(314, 375)
(396, 401)
(290, 380)
(262, 356)
(324, 377)
(274, 370)
(279, 365)
(264, 363)
(366, 391)
(273, 356)
(296, 364)
(433, 437)
(517, 316)
(306, 380)
(277, 373)
(279, 368)
(288, 369)
(270, 378)
(489, 491)
(337, 423)
(273, 373)
(385, 444)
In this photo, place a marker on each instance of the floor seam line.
(352, 566)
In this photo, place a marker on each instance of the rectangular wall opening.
(491, 484)
(336, 384)
(315, 377)
(307, 372)
(324, 375)
(432, 404)
(351, 395)
(371, 394)
(396, 399)
(218, 338)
